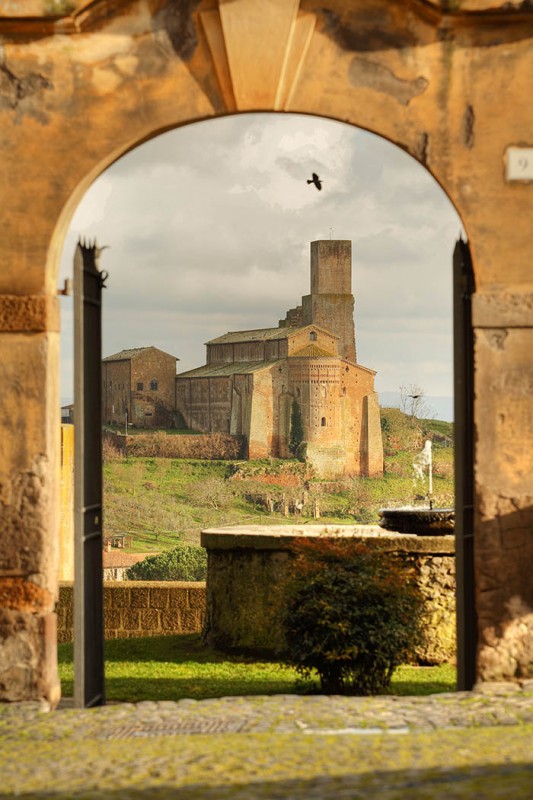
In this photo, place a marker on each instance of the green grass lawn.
(176, 667)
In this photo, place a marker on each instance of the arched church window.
(323, 422)
(312, 336)
(154, 386)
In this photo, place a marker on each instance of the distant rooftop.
(118, 558)
(265, 334)
(134, 352)
(260, 335)
(222, 370)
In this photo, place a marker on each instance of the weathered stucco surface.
(82, 83)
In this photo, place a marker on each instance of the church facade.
(254, 382)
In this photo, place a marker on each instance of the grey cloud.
(191, 257)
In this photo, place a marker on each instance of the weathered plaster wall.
(504, 502)
(450, 83)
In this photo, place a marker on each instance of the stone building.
(140, 383)
(252, 379)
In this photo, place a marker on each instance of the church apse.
(252, 378)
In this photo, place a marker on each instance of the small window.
(312, 336)
(323, 422)
(153, 386)
(140, 386)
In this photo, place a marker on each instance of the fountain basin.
(247, 568)
(422, 521)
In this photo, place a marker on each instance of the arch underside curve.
(450, 88)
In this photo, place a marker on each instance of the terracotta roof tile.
(221, 370)
(118, 558)
(134, 352)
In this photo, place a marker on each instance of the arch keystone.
(258, 49)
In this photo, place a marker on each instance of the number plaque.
(519, 163)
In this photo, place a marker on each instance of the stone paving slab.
(471, 744)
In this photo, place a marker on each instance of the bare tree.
(413, 402)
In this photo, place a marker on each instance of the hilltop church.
(252, 379)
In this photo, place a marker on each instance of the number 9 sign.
(519, 162)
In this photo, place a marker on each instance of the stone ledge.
(280, 537)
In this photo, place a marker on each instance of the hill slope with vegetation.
(163, 502)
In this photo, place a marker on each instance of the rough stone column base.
(28, 657)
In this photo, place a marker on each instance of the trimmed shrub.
(183, 563)
(353, 614)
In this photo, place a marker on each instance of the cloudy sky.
(209, 229)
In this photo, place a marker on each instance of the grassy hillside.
(164, 501)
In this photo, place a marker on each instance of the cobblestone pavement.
(461, 745)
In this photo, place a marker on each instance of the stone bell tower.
(331, 302)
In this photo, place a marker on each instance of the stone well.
(247, 568)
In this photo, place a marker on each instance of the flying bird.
(316, 180)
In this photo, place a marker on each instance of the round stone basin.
(419, 521)
(247, 568)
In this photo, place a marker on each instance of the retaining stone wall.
(140, 608)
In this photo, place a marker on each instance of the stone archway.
(79, 89)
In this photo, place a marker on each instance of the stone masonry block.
(159, 598)
(171, 621)
(140, 597)
(65, 616)
(130, 619)
(28, 657)
(112, 617)
(196, 598)
(29, 313)
(149, 620)
(66, 594)
(191, 621)
(179, 597)
(108, 596)
(121, 596)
